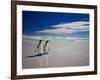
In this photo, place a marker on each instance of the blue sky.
(37, 23)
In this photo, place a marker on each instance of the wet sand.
(61, 54)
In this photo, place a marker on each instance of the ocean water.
(54, 38)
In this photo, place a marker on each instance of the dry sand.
(61, 54)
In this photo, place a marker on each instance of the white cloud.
(71, 27)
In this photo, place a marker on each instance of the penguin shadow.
(37, 55)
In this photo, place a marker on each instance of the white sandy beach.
(61, 54)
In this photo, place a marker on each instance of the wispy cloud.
(67, 28)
